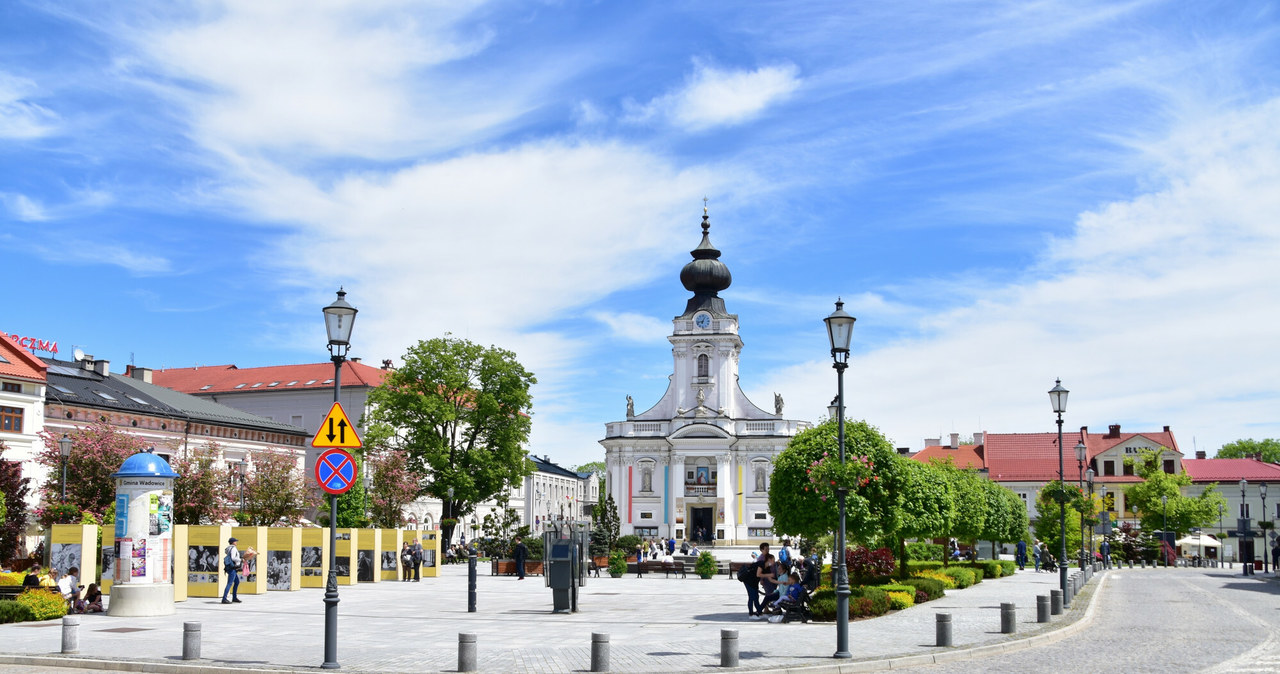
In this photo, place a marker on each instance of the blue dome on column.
(145, 464)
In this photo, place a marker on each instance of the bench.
(655, 566)
(10, 591)
(734, 567)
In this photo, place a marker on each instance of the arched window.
(704, 366)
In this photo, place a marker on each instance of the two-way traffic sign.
(336, 430)
(336, 471)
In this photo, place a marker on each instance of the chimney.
(1166, 429)
(904, 451)
(932, 442)
(142, 373)
(1200, 454)
(1113, 431)
(102, 367)
(955, 441)
(977, 438)
(354, 359)
(386, 363)
(87, 363)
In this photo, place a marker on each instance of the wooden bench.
(10, 591)
(734, 567)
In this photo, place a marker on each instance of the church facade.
(697, 464)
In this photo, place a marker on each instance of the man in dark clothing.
(1021, 555)
(1105, 549)
(521, 553)
(32, 579)
(417, 559)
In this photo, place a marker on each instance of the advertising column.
(143, 581)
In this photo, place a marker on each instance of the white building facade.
(697, 464)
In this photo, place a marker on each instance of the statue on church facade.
(702, 396)
(631, 407)
(777, 404)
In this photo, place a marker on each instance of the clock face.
(702, 320)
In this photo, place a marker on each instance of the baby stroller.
(1046, 564)
(797, 609)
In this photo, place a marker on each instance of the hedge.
(864, 602)
(963, 577)
(931, 587)
(13, 612)
(43, 604)
(12, 577)
(925, 552)
(901, 600)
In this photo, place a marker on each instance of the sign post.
(335, 472)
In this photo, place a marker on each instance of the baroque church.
(697, 464)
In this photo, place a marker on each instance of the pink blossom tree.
(393, 486)
(201, 493)
(97, 450)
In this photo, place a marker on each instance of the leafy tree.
(802, 507)
(1048, 525)
(597, 467)
(14, 487)
(498, 527)
(275, 491)
(1019, 523)
(393, 487)
(200, 490)
(1267, 448)
(605, 525)
(1184, 513)
(969, 499)
(97, 450)
(927, 507)
(4, 510)
(461, 414)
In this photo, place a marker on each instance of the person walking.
(1105, 549)
(406, 562)
(520, 552)
(1021, 555)
(417, 560)
(231, 564)
(1035, 549)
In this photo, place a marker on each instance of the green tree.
(461, 413)
(275, 491)
(803, 507)
(200, 490)
(1048, 522)
(14, 487)
(1184, 513)
(605, 525)
(1268, 449)
(926, 507)
(969, 500)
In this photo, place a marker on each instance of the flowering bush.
(48, 514)
(828, 474)
(937, 575)
(901, 600)
(11, 577)
(864, 564)
(43, 604)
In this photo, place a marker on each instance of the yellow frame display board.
(75, 545)
(431, 560)
(313, 559)
(179, 537)
(281, 559)
(107, 560)
(390, 567)
(203, 551)
(367, 556)
(252, 581)
(348, 543)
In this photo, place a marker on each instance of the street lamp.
(1081, 452)
(1058, 398)
(64, 448)
(243, 468)
(1262, 489)
(368, 486)
(840, 332)
(338, 319)
(1243, 524)
(1164, 501)
(1088, 477)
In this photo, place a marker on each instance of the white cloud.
(714, 97)
(22, 207)
(20, 118)
(634, 327)
(1146, 312)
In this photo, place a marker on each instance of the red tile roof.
(22, 363)
(225, 378)
(964, 456)
(1033, 457)
(1231, 470)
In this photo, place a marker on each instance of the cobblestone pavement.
(1162, 620)
(656, 624)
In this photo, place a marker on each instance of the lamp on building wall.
(840, 333)
(64, 448)
(339, 317)
(1058, 398)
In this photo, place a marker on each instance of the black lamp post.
(243, 468)
(840, 332)
(64, 448)
(1164, 535)
(1088, 478)
(1262, 489)
(1058, 398)
(1244, 527)
(338, 319)
(1081, 453)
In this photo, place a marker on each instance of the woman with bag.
(231, 564)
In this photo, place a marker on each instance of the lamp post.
(1164, 501)
(243, 468)
(1243, 525)
(64, 448)
(840, 332)
(1262, 489)
(368, 485)
(1058, 398)
(338, 320)
(1081, 452)
(1088, 477)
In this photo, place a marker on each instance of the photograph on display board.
(202, 577)
(342, 564)
(202, 559)
(364, 565)
(311, 562)
(388, 560)
(108, 561)
(63, 556)
(428, 558)
(279, 565)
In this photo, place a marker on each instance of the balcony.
(692, 489)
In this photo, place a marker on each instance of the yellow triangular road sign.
(336, 430)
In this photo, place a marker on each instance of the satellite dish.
(78, 354)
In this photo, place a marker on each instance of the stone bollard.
(1008, 618)
(599, 652)
(1055, 602)
(1042, 608)
(1131, 564)
(1144, 563)
(728, 648)
(466, 652)
(71, 634)
(190, 641)
(943, 629)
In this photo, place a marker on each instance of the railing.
(649, 426)
(699, 489)
(759, 426)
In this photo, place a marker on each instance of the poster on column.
(139, 559)
(122, 515)
(124, 555)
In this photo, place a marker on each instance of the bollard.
(1131, 564)
(1042, 608)
(466, 652)
(1055, 602)
(190, 641)
(599, 652)
(943, 629)
(728, 648)
(471, 581)
(1008, 618)
(1144, 563)
(71, 634)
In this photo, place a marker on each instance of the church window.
(704, 366)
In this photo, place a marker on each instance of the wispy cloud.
(23, 207)
(715, 97)
(634, 327)
(20, 117)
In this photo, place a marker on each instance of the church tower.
(697, 464)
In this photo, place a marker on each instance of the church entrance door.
(701, 524)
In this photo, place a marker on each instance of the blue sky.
(1003, 193)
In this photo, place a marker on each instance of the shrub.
(823, 605)
(865, 564)
(925, 552)
(862, 607)
(13, 612)
(1008, 567)
(706, 565)
(627, 543)
(901, 600)
(977, 575)
(864, 602)
(879, 601)
(895, 587)
(617, 563)
(992, 568)
(948, 582)
(931, 588)
(43, 604)
(921, 597)
(963, 577)
(12, 577)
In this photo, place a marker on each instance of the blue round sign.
(336, 471)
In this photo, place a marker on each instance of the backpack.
(417, 555)
(784, 556)
(747, 573)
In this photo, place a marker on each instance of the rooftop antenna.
(78, 354)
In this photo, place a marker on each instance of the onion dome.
(705, 275)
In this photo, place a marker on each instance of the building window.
(704, 366)
(1168, 466)
(760, 516)
(11, 419)
(760, 532)
(646, 531)
(1108, 467)
(10, 387)
(1244, 510)
(1128, 468)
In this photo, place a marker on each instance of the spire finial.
(706, 219)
